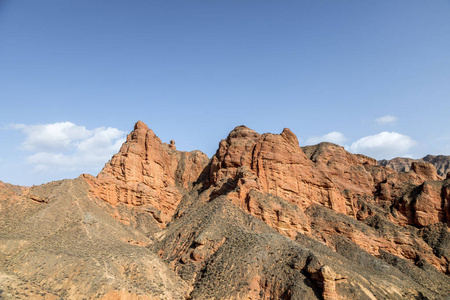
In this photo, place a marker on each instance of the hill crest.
(262, 219)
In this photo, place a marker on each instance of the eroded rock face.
(249, 167)
(262, 219)
(426, 204)
(425, 170)
(398, 164)
(148, 173)
(277, 166)
(401, 164)
(275, 180)
(418, 196)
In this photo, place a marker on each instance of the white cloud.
(68, 147)
(388, 119)
(383, 145)
(332, 137)
(52, 137)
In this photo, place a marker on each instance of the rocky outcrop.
(398, 164)
(441, 163)
(401, 164)
(249, 167)
(262, 219)
(418, 196)
(426, 204)
(148, 173)
(275, 164)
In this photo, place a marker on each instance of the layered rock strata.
(149, 174)
(262, 219)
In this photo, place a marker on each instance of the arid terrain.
(262, 219)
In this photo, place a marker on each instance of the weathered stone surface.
(262, 219)
(401, 164)
(398, 164)
(278, 165)
(148, 173)
(425, 170)
(426, 204)
(356, 176)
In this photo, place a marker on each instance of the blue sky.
(373, 76)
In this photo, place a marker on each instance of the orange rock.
(272, 178)
(279, 165)
(147, 171)
(425, 170)
(428, 205)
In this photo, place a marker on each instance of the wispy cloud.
(332, 137)
(66, 146)
(383, 145)
(388, 119)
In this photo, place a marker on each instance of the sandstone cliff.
(262, 219)
(149, 174)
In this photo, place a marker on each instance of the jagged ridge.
(262, 219)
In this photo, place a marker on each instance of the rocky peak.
(149, 174)
(233, 151)
(244, 148)
(289, 136)
(242, 132)
(140, 125)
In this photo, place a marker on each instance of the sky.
(75, 76)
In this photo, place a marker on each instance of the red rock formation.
(357, 173)
(356, 176)
(336, 208)
(427, 204)
(278, 166)
(275, 180)
(275, 164)
(249, 167)
(417, 195)
(148, 173)
(425, 170)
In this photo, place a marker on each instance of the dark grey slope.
(226, 253)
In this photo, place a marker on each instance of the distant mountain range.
(262, 219)
(402, 164)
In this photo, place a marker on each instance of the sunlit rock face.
(262, 219)
(148, 173)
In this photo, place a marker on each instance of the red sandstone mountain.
(262, 219)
